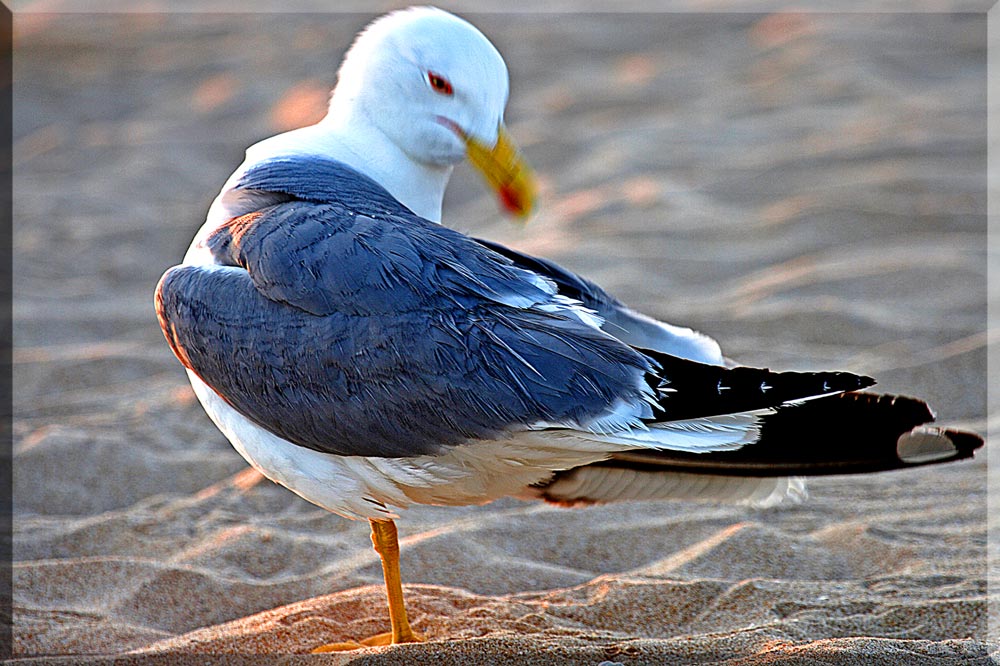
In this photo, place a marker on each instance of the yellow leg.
(386, 543)
(387, 546)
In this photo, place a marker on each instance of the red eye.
(439, 83)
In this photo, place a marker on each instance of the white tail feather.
(597, 484)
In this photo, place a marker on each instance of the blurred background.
(809, 189)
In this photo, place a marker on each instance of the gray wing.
(357, 328)
(629, 326)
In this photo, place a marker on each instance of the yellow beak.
(506, 172)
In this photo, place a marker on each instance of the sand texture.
(808, 189)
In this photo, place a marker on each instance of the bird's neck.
(418, 186)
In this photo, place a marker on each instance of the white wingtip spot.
(923, 445)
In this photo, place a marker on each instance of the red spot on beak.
(510, 200)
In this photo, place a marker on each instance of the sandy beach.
(809, 189)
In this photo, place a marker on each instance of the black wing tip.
(930, 445)
(864, 381)
(966, 443)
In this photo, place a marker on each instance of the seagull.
(359, 353)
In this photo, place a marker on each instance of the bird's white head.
(417, 75)
(435, 88)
